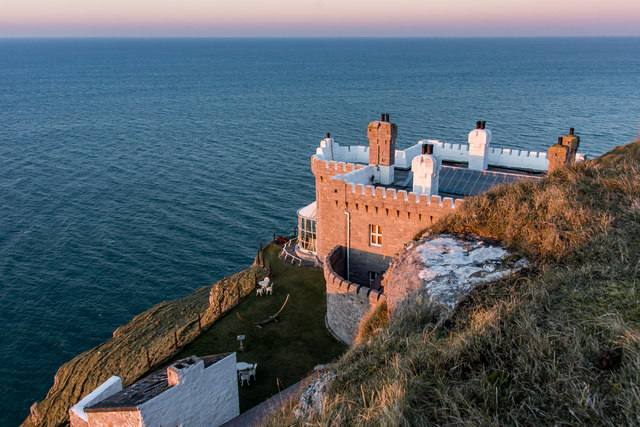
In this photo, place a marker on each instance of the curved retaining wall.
(347, 302)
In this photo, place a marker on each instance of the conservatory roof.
(308, 211)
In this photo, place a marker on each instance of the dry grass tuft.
(519, 351)
(373, 322)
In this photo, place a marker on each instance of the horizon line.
(336, 37)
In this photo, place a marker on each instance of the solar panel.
(467, 182)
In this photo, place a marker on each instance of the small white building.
(197, 391)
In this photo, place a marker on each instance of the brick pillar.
(572, 142)
(382, 136)
(558, 155)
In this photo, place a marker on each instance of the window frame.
(373, 275)
(375, 235)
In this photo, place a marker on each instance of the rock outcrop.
(148, 340)
(311, 401)
(443, 269)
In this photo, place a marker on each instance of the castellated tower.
(479, 140)
(426, 172)
(382, 147)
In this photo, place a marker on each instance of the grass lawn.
(286, 350)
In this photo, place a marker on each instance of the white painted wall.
(361, 176)
(405, 157)
(386, 174)
(104, 390)
(494, 156)
(522, 159)
(503, 157)
(203, 397)
(347, 153)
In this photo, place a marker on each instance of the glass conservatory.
(307, 230)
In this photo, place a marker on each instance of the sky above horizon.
(324, 18)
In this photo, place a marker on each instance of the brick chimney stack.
(558, 155)
(183, 370)
(572, 142)
(382, 136)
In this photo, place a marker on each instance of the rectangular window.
(375, 235)
(372, 277)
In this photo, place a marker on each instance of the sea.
(134, 171)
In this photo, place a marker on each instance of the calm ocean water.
(135, 171)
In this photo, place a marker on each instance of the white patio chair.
(269, 290)
(252, 371)
(259, 291)
(244, 376)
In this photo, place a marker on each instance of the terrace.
(286, 351)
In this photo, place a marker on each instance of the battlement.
(332, 151)
(358, 183)
(383, 194)
(331, 167)
(347, 302)
(521, 159)
(502, 157)
(404, 157)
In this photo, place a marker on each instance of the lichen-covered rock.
(443, 269)
(312, 399)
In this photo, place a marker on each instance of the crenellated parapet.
(502, 157)
(332, 151)
(383, 195)
(321, 167)
(352, 187)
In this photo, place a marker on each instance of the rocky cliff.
(148, 340)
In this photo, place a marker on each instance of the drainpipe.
(348, 239)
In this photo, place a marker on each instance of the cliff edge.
(555, 343)
(147, 341)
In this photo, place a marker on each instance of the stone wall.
(362, 262)
(347, 302)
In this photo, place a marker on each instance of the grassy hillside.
(542, 348)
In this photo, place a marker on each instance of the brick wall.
(113, 418)
(400, 214)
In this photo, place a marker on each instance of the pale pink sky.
(319, 18)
